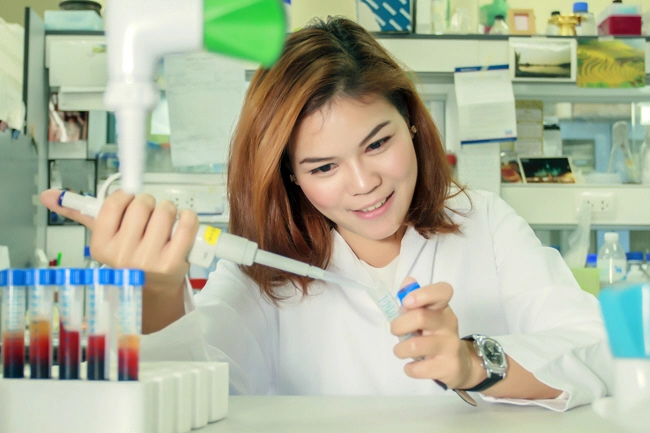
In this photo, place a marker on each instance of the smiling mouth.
(376, 206)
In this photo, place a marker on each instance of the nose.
(362, 179)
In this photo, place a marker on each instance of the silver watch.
(493, 359)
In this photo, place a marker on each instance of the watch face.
(493, 353)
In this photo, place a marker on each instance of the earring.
(292, 178)
(414, 130)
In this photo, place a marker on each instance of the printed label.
(211, 235)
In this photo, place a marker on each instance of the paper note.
(205, 93)
(530, 127)
(479, 166)
(486, 104)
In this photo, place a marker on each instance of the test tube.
(40, 301)
(14, 304)
(98, 284)
(71, 295)
(129, 284)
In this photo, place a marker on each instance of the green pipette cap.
(247, 29)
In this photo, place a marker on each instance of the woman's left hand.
(436, 348)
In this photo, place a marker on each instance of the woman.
(336, 162)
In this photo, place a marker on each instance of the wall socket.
(602, 204)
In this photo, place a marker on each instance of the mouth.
(376, 205)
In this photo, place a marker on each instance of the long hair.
(324, 60)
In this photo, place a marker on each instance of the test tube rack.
(169, 397)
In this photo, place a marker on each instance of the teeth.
(375, 206)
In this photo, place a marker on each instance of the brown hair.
(336, 58)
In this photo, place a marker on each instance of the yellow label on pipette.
(211, 235)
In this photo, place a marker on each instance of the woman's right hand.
(136, 232)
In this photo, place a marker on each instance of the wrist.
(477, 372)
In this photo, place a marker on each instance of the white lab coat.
(337, 342)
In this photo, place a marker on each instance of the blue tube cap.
(130, 277)
(106, 276)
(58, 276)
(406, 290)
(12, 277)
(3, 277)
(89, 276)
(76, 277)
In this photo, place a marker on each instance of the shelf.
(556, 206)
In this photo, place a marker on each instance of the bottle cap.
(12, 277)
(611, 237)
(58, 276)
(136, 277)
(406, 290)
(498, 17)
(86, 252)
(635, 255)
(592, 260)
(555, 13)
(580, 7)
(76, 277)
(3, 278)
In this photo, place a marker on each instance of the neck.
(377, 253)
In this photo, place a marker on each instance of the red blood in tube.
(13, 355)
(69, 351)
(40, 349)
(96, 357)
(128, 357)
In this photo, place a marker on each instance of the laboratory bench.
(301, 414)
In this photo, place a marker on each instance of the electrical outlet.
(602, 204)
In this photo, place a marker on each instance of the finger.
(420, 319)
(135, 219)
(159, 228)
(418, 347)
(183, 238)
(434, 296)
(110, 216)
(445, 366)
(50, 199)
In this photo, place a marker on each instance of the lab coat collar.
(415, 259)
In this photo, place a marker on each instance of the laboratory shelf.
(556, 206)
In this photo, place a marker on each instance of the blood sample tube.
(129, 284)
(14, 304)
(98, 310)
(40, 301)
(71, 296)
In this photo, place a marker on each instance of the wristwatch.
(493, 357)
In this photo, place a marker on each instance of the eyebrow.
(375, 130)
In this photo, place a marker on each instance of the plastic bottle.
(612, 261)
(89, 262)
(551, 28)
(636, 273)
(499, 27)
(587, 26)
(592, 260)
(438, 17)
(487, 13)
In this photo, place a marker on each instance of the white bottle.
(499, 27)
(587, 26)
(612, 262)
(636, 273)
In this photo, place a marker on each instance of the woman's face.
(355, 162)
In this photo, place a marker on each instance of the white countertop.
(288, 414)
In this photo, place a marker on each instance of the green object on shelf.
(488, 12)
(247, 29)
(588, 279)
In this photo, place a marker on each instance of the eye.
(378, 144)
(322, 169)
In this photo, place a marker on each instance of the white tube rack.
(170, 397)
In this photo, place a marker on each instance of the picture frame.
(521, 22)
(547, 169)
(543, 59)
